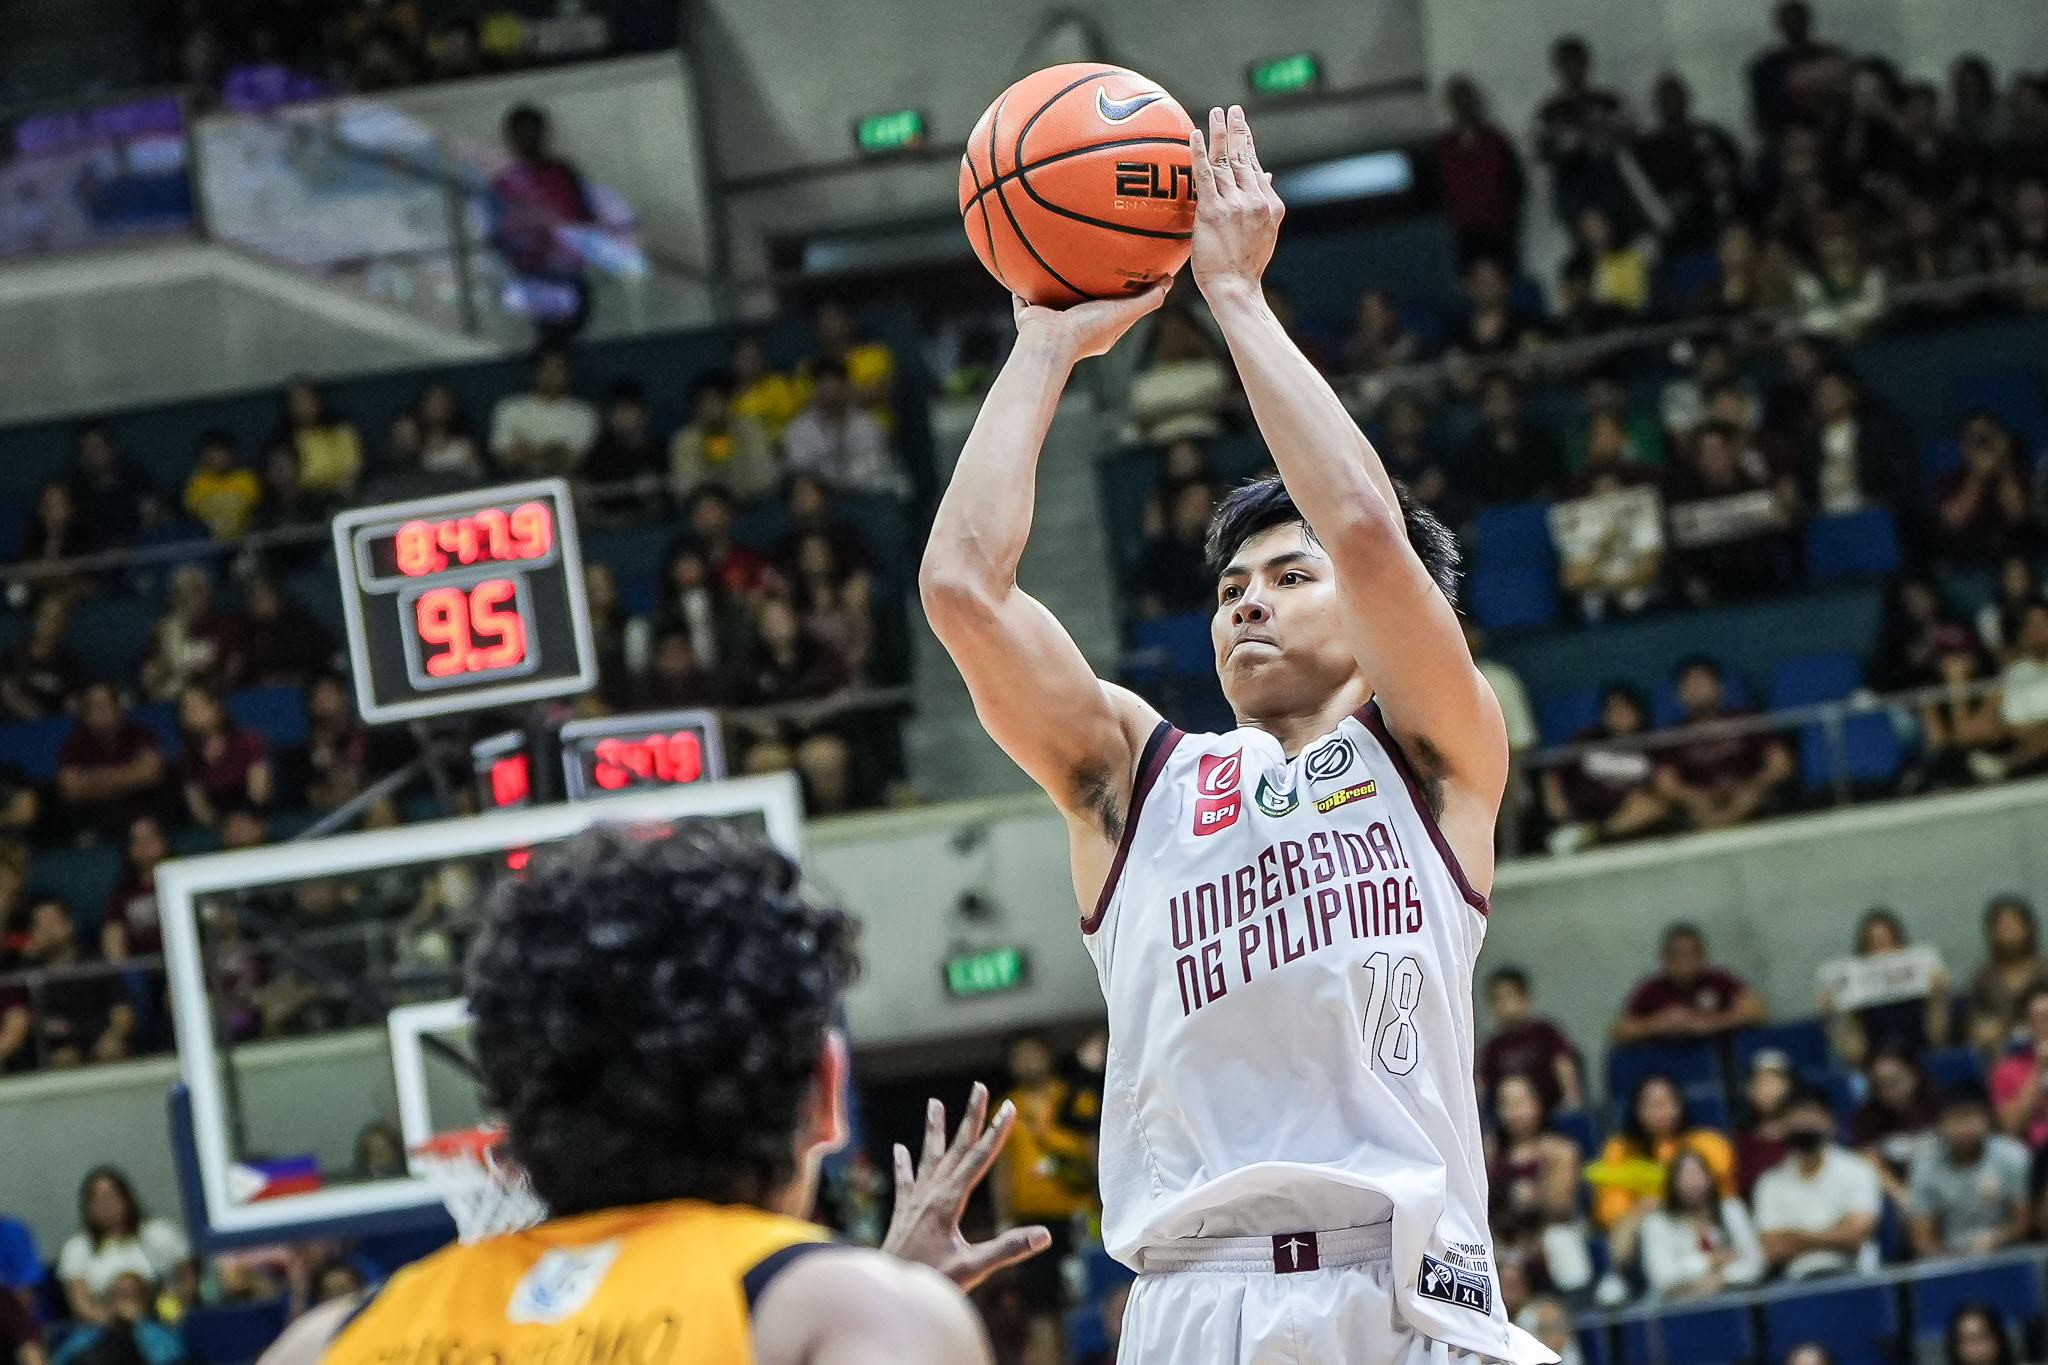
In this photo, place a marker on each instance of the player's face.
(1278, 629)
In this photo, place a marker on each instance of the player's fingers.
(1219, 145)
(934, 1136)
(1198, 165)
(982, 1154)
(1245, 140)
(983, 1260)
(970, 1121)
(906, 1174)
(1241, 168)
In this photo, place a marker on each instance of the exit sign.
(1294, 74)
(898, 130)
(985, 973)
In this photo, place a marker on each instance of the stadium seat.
(33, 745)
(1805, 1041)
(1560, 715)
(162, 719)
(1861, 544)
(1707, 1336)
(1181, 642)
(2013, 1287)
(276, 713)
(1938, 455)
(1593, 1346)
(84, 877)
(1805, 679)
(1859, 1324)
(1516, 533)
(1841, 1086)
(1684, 276)
(234, 1334)
(1513, 597)
(1582, 1126)
(1950, 1066)
(1105, 1272)
(2013, 396)
(1696, 1067)
(1870, 750)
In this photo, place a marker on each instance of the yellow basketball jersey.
(650, 1285)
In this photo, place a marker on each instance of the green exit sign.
(1294, 74)
(898, 130)
(985, 973)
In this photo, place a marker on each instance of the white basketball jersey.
(1287, 951)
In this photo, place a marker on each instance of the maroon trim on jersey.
(1151, 762)
(1369, 715)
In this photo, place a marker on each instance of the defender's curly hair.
(649, 1004)
(1265, 503)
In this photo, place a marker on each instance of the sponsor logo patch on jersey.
(1329, 761)
(1458, 1288)
(562, 1283)
(1276, 798)
(1213, 813)
(1359, 792)
(1218, 773)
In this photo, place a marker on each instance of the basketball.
(1076, 185)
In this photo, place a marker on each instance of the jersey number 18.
(1393, 990)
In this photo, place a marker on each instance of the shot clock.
(464, 602)
(612, 755)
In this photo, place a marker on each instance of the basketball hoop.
(484, 1190)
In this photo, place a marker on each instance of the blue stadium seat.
(276, 713)
(1950, 1066)
(1183, 640)
(162, 719)
(1515, 533)
(2012, 396)
(1593, 1346)
(2013, 1287)
(1841, 1086)
(1859, 1324)
(1684, 276)
(33, 745)
(109, 633)
(636, 595)
(84, 877)
(1696, 1067)
(1513, 597)
(632, 554)
(1087, 1334)
(1870, 746)
(1105, 1272)
(1938, 455)
(1560, 715)
(1707, 1336)
(234, 1334)
(13, 519)
(1805, 1041)
(1805, 679)
(1582, 1126)
(1861, 544)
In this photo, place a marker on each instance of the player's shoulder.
(854, 1294)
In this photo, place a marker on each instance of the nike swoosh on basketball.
(1116, 111)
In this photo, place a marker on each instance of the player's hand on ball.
(1237, 214)
(1090, 328)
(925, 1226)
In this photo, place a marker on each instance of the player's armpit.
(862, 1308)
(307, 1340)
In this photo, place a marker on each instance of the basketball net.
(484, 1190)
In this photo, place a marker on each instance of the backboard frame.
(181, 882)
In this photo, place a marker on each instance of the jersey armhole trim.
(1151, 762)
(756, 1281)
(1369, 715)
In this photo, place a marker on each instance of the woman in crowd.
(130, 926)
(1533, 1174)
(1381, 340)
(1998, 621)
(1760, 1133)
(1910, 1026)
(832, 600)
(788, 664)
(1976, 1336)
(1918, 626)
(130, 1334)
(39, 675)
(330, 452)
(1895, 1124)
(1700, 1241)
(55, 531)
(225, 766)
(693, 602)
(1609, 793)
(2012, 967)
(283, 644)
(622, 639)
(1634, 1167)
(1961, 723)
(446, 447)
(116, 1238)
(337, 753)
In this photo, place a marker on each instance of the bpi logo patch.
(1452, 1285)
(1328, 761)
(1217, 802)
(561, 1284)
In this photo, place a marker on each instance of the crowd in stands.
(764, 598)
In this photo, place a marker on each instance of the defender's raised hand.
(1237, 214)
(925, 1226)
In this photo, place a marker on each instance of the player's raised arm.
(1077, 736)
(1403, 629)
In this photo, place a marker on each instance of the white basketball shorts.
(1225, 1305)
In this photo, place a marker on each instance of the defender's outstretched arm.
(1077, 737)
(1403, 631)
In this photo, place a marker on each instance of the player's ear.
(829, 1125)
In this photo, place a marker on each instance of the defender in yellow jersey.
(654, 1016)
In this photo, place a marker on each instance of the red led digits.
(477, 629)
(491, 536)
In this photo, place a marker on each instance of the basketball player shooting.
(654, 1016)
(1284, 918)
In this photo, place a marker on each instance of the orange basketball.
(1076, 185)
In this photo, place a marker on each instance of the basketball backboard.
(315, 989)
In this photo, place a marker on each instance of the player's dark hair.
(1509, 976)
(650, 1003)
(1262, 504)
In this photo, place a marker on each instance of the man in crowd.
(1524, 1043)
(537, 194)
(870, 366)
(1817, 1210)
(82, 1018)
(1481, 177)
(628, 447)
(109, 769)
(1508, 460)
(549, 430)
(194, 643)
(1967, 1196)
(1687, 998)
(839, 441)
(1578, 131)
(718, 445)
(1722, 780)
